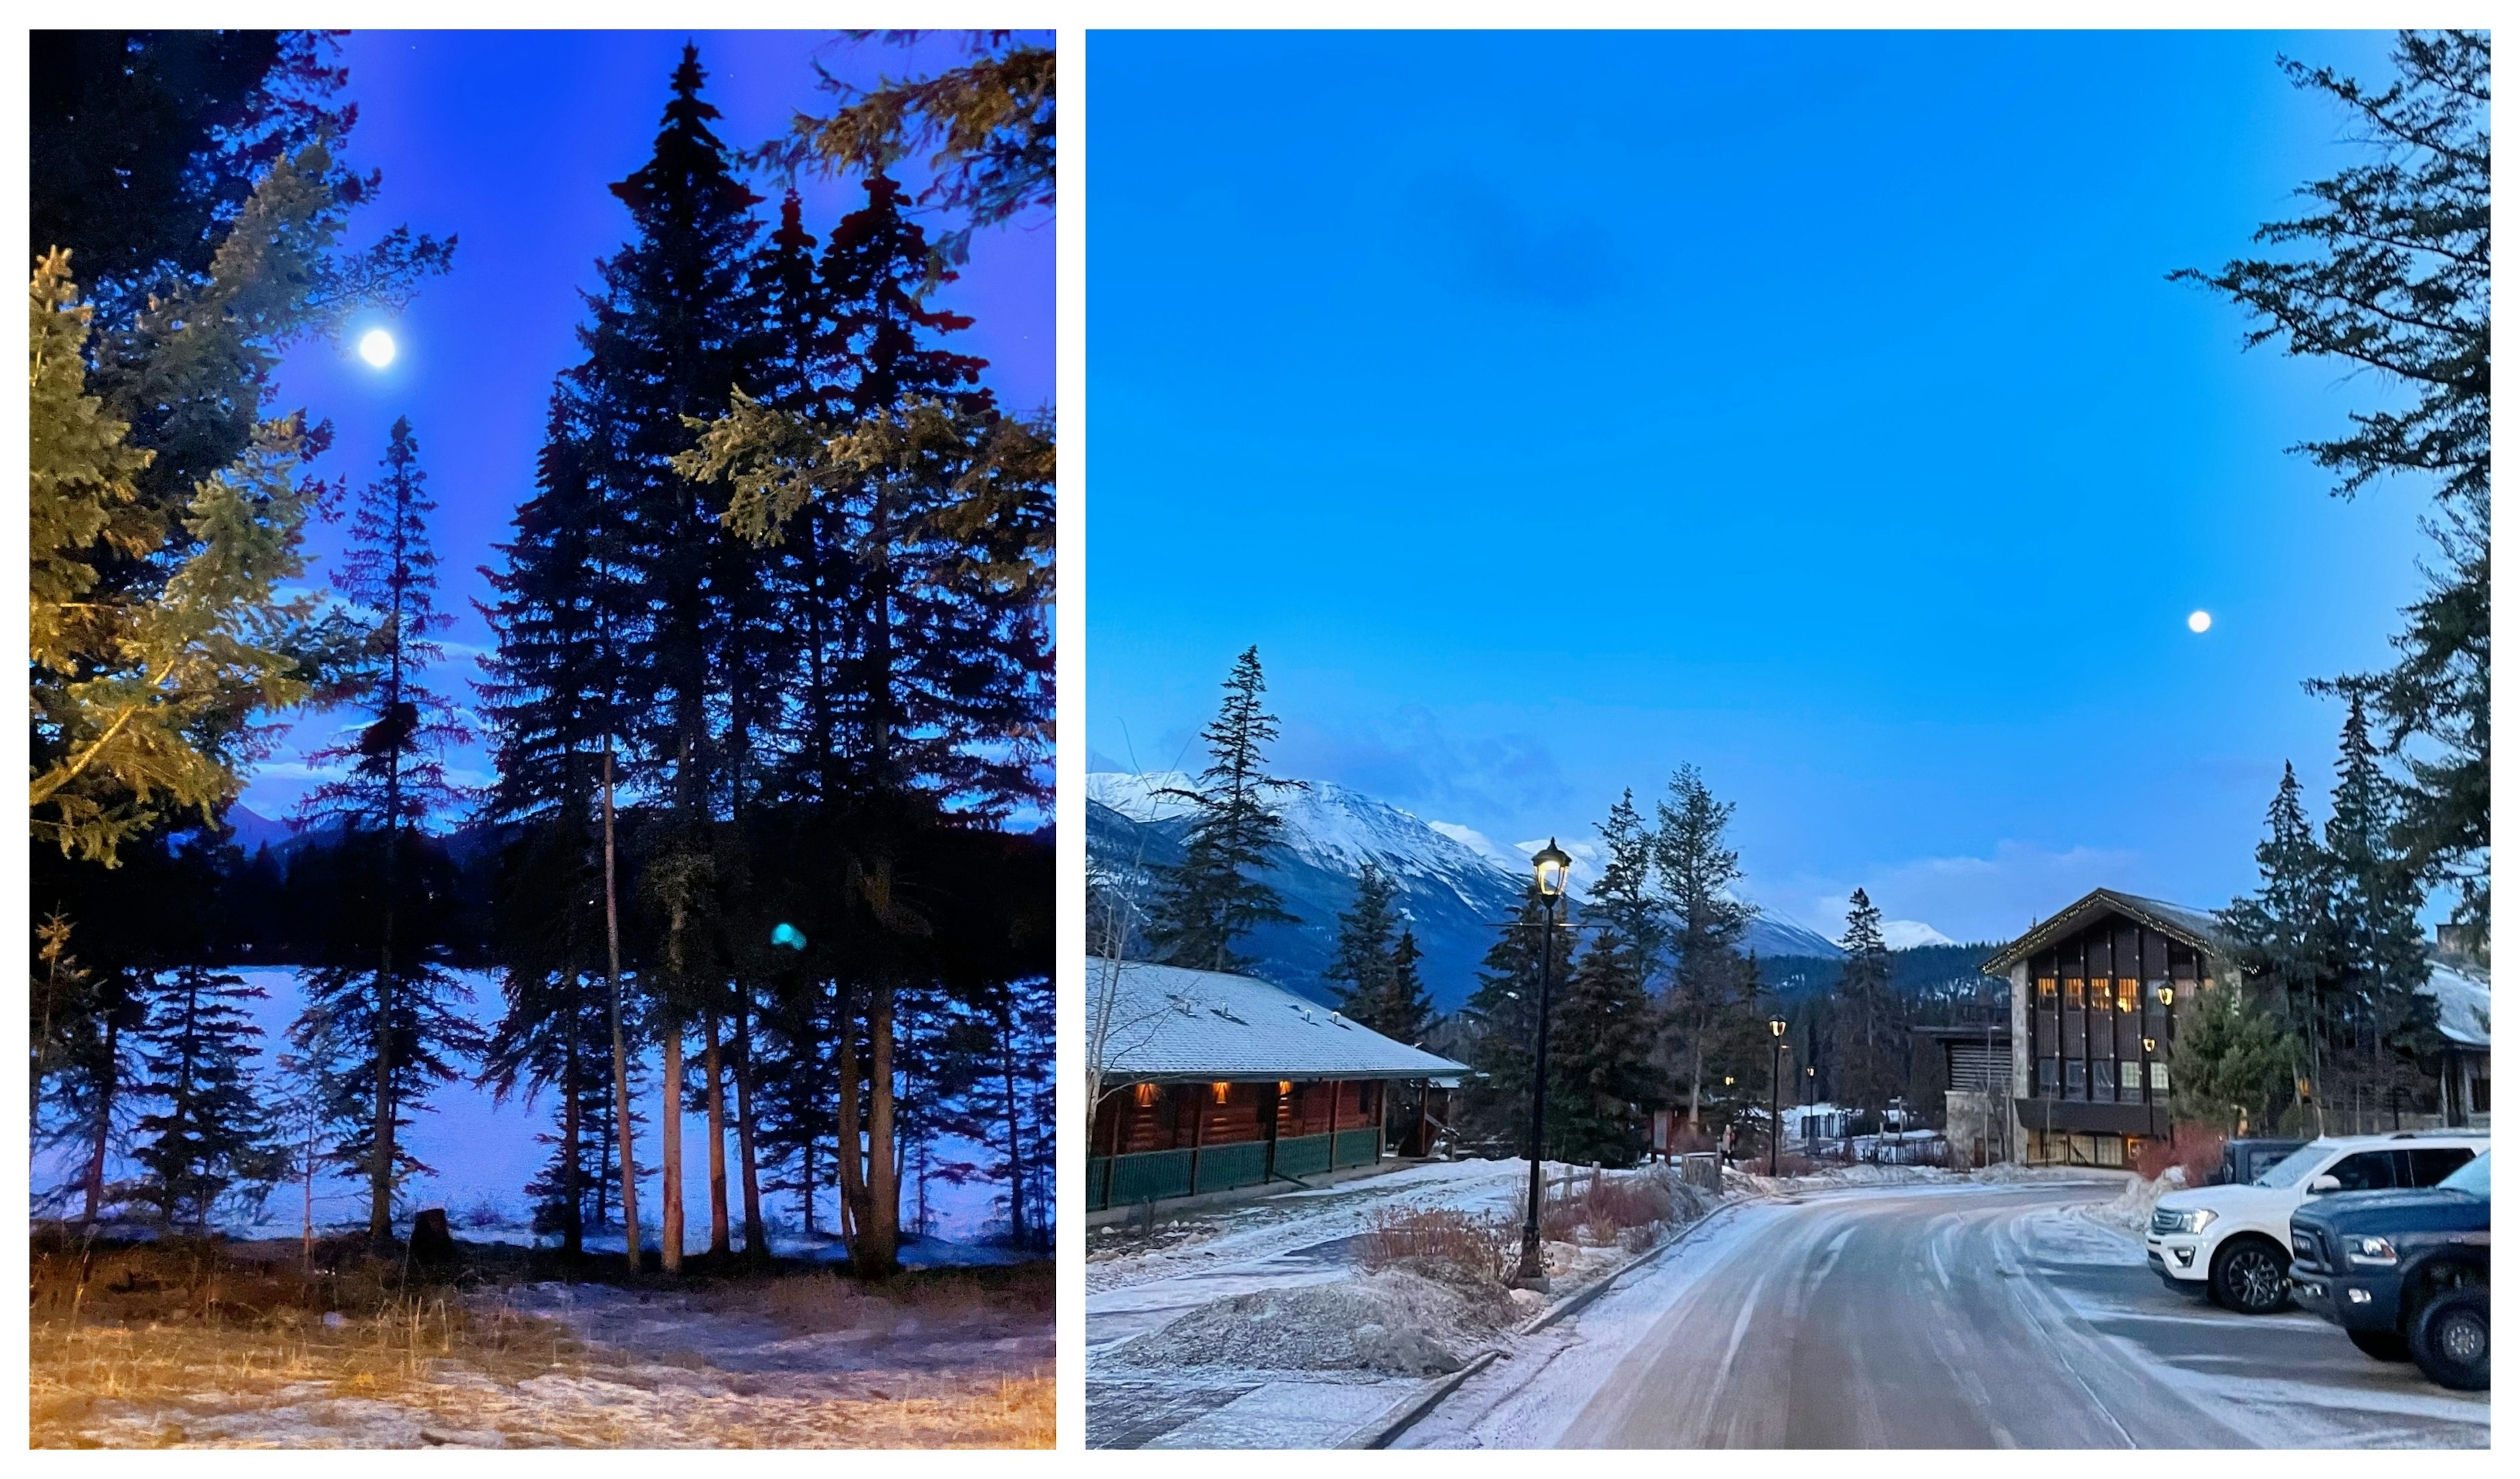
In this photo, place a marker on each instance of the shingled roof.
(1201, 1026)
(2188, 926)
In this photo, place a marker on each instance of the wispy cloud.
(1967, 898)
(1409, 760)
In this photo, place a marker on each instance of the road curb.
(1403, 1414)
(1600, 1286)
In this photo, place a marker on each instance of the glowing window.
(2074, 992)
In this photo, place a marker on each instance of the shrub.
(2196, 1148)
(1599, 1208)
(1445, 1244)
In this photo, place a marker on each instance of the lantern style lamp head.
(1548, 870)
(1775, 1026)
(2167, 994)
(2148, 1044)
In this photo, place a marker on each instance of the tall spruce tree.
(2385, 1021)
(2284, 943)
(1216, 895)
(1405, 1012)
(2391, 269)
(1506, 1005)
(387, 973)
(1600, 1068)
(1870, 1055)
(209, 1135)
(1360, 958)
(1697, 869)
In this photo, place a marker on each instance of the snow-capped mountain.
(1908, 934)
(1457, 884)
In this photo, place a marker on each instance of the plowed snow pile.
(1394, 1322)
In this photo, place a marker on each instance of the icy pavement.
(1961, 1314)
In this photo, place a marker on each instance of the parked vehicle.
(2245, 1161)
(2234, 1243)
(2404, 1272)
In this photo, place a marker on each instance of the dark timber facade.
(2089, 988)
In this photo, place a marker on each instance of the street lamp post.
(2147, 1090)
(1775, 1077)
(1549, 875)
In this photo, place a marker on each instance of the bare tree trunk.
(573, 1226)
(671, 1125)
(621, 1116)
(756, 1237)
(853, 1192)
(881, 1236)
(104, 1115)
(1015, 1227)
(712, 1065)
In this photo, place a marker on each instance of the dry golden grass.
(158, 1348)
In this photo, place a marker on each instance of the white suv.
(2233, 1241)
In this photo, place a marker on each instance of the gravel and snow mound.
(1391, 1322)
(2132, 1208)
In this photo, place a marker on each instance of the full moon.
(378, 349)
(2198, 621)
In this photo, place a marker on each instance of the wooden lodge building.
(2089, 986)
(1214, 1082)
(2087, 989)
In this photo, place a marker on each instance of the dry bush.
(1689, 1140)
(190, 1344)
(1795, 1165)
(1601, 1208)
(2197, 1148)
(820, 1301)
(1444, 1244)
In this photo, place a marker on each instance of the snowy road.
(1961, 1317)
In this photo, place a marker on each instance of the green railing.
(1357, 1147)
(1150, 1176)
(1123, 1181)
(1302, 1155)
(1223, 1167)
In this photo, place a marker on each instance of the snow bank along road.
(1967, 1316)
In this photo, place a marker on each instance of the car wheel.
(2450, 1339)
(2379, 1345)
(2250, 1276)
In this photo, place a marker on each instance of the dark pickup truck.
(2244, 1160)
(2405, 1272)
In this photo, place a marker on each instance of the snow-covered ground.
(482, 1153)
(1282, 1256)
(802, 1362)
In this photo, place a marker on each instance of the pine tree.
(1216, 895)
(2385, 1019)
(1600, 1066)
(1698, 870)
(2396, 276)
(1405, 1012)
(387, 972)
(1506, 1005)
(2233, 1058)
(2284, 935)
(211, 1134)
(1871, 1034)
(1362, 957)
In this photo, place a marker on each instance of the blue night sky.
(1553, 410)
(509, 140)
